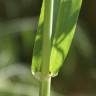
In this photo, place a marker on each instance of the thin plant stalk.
(45, 83)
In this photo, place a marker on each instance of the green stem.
(45, 87)
(47, 32)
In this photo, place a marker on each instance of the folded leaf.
(64, 23)
(64, 31)
(37, 51)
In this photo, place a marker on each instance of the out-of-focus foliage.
(12, 9)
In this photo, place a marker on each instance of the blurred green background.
(18, 25)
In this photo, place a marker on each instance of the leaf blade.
(64, 32)
(65, 17)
